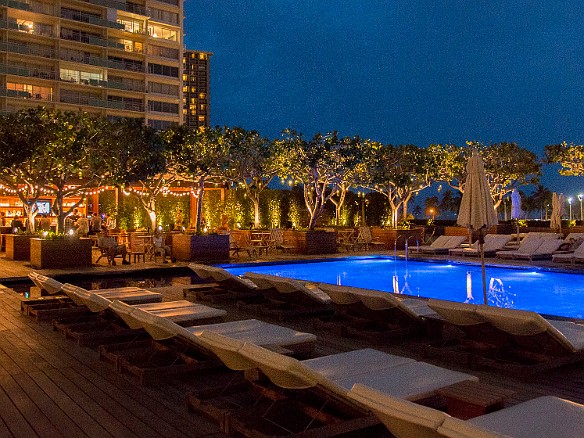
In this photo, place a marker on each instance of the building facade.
(113, 58)
(196, 88)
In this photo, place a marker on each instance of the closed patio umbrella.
(477, 211)
(516, 211)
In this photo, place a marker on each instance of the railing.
(87, 18)
(27, 50)
(25, 94)
(93, 40)
(14, 4)
(28, 72)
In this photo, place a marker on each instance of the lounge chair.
(542, 416)
(251, 330)
(442, 246)
(544, 251)
(571, 257)
(402, 377)
(514, 339)
(238, 287)
(180, 312)
(43, 282)
(364, 239)
(537, 335)
(528, 246)
(290, 297)
(493, 243)
(326, 381)
(100, 299)
(365, 312)
(478, 332)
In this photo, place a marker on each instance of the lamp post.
(431, 211)
(580, 198)
(570, 204)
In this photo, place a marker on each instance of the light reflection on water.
(554, 293)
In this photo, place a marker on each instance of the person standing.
(110, 222)
(179, 220)
(95, 224)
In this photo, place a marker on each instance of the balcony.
(93, 40)
(23, 49)
(27, 72)
(25, 95)
(87, 18)
(16, 5)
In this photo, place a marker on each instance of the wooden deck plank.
(111, 423)
(69, 406)
(35, 417)
(96, 387)
(14, 420)
(54, 412)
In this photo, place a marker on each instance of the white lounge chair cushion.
(410, 381)
(217, 274)
(541, 417)
(527, 323)
(226, 349)
(284, 371)
(352, 363)
(49, 284)
(403, 418)
(288, 285)
(462, 314)
(258, 332)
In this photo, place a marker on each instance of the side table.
(470, 399)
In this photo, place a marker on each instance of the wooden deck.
(51, 387)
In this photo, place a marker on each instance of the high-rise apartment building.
(110, 57)
(196, 88)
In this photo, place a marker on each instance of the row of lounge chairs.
(535, 246)
(354, 383)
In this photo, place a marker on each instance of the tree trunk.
(256, 211)
(200, 192)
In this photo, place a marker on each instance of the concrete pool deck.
(49, 386)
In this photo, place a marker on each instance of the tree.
(315, 163)
(432, 205)
(20, 171)
(66, 157)
(539, 200)
(449, 202)
(199, 156)
(570, 157)
(252, 164)
(352, 157)
(507, 166)
(398, 172)
(141, 159)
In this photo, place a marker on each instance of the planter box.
(206, 247)
(312, 242)
(393, 238)
(17, 246)
(60, 253)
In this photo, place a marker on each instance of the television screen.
(44, 207)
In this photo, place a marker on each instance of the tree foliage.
(569, 156)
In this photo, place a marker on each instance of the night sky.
(398, 71)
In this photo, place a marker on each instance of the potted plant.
(59, 251)
(200, 247)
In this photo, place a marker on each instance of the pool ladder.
(406, 247)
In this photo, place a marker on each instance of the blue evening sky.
(398, 71)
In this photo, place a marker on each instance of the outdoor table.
(469, 399)
(260, 240)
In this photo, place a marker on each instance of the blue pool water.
(543, 291)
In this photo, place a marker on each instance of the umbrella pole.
(483, 273)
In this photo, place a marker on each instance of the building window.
(164, 70)
(163, 107)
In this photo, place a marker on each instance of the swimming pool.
(543, 291)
